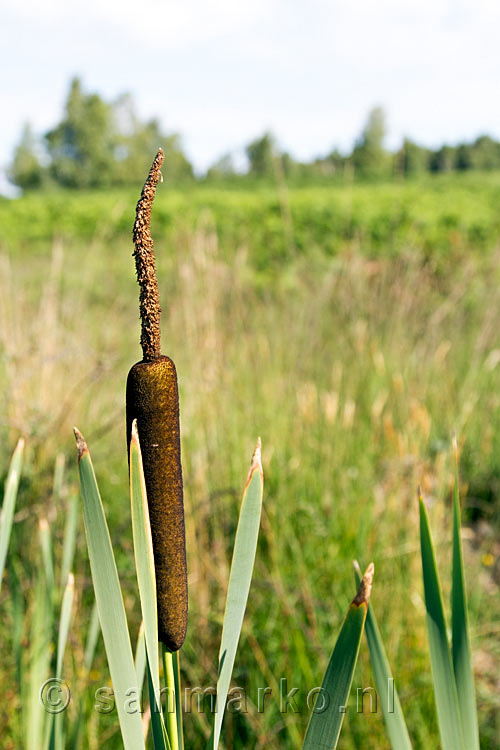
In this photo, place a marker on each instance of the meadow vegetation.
(355, 329)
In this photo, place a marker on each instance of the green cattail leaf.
(9, 503)
(47, 554)
(109, 603)
(92, 636)
(70, 529)
(88, 658)
(160, 737)
(140, 657)
(169, 676)
(391, 708)
(56, 738)
(178, 702)
(461, 653)
(64, 622)
(38, 669)
(445, 689)
(327, 716)
(144, 560)
(239, 583)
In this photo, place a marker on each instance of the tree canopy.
(96, 144)
(100, 144)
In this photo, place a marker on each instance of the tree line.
(101, 144)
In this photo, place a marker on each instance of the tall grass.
(363, 369)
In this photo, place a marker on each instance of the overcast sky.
(220, 72)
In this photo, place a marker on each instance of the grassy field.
(355, 329)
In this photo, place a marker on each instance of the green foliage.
(245, 546)
(439, 218)
(96, 144)
(81, 146)
(412, 159)
(393, 713)
(9, 503)
(460, 640)
(109, 601)
(451, 669)
(26, 170)
(445, 688)
(261, 155)
(369, 157)
(325, 724)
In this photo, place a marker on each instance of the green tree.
(412, 158)
(261, 154)
(223, 169)
(136, 141)
(464, 156)
(485, 153)
(26, 170)
(443, 160)
(82, 147)
(369, 157)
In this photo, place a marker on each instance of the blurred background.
(328, 245)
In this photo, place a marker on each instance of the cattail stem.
(168, 669)
(149, 297)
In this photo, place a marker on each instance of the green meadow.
(355, 329)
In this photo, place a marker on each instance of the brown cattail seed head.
(153, 399)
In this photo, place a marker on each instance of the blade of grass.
(38, 666)
(48, 564)
(58, 479)
(461, 652)
(109, 601)
(70, 529)
(445, 690)
(64, 622)
(393, 714)
(9, 503)
(326, 719)
(239, 583)
(56, 741)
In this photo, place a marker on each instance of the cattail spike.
(149, 297)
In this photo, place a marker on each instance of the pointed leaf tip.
(256, 464)
(80, 443)
(134, 432)
(365, 587)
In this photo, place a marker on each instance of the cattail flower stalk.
(153, 399)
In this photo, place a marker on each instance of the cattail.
(153, 399)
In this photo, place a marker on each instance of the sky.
(221, 72)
